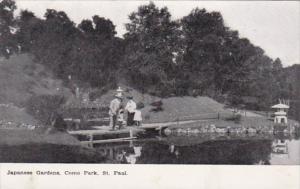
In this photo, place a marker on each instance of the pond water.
(183, 149)
(249, 150)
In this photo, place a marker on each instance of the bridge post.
(160, 131)
(90, 145)
(130, 133)
(90, 137)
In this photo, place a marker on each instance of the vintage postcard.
(143, 94)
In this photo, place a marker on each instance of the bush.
(157, 109)
(236, 118)
(140, 105)
(43, 106)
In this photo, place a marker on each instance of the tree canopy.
(151, 41)
(8, 44)
(195, 55)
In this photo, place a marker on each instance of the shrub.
(236, 118)
(43, 106)
(157, 109)
(140, 105)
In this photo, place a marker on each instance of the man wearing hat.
(114, 107)
(130, 108)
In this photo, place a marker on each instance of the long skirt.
(130, 121)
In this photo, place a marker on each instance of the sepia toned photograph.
(150, 82)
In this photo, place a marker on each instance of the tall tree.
(86, 26)
(101, 52)
(55, 41)
(218, 62)
(207, 55)
(29, 30)
(151, 43)
(104, 28)
(8, 43)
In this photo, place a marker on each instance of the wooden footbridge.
(104, 134)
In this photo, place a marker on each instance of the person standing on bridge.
(138, 116)
(130, 108)
(114, 107)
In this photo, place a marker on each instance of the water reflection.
(47, 153)
(285, 152)
(193, 149)
(200, 150)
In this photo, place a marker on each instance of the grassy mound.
(20, 80)
(173, 108)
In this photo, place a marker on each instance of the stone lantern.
(280, 113)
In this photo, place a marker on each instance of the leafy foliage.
(195, 55)
(87, 53)
(43, 106)
(151, 41)
(8, 44)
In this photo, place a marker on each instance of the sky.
(272, 25)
